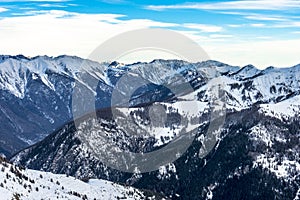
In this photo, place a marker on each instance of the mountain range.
(255, 149)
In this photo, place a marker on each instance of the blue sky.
(260, 32)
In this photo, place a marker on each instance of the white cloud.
(260, 17)
(262, 54)
(234, 5)
(48, 5)
(290, 24)
(204, 27)
(264, 37)
(3, 9)
(257, 25)
(235, 25)
(59, 32)
(220, 36)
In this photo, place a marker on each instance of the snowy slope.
(158, 126)
(250, 86)
(283, 110)
(30, 185)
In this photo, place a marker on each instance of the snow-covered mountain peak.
(116, 64)
(18, 71)
(246, 72)
(214, 63)
(249, 69)
(270, 68)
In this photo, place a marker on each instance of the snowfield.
(30, 185)
(282, 110)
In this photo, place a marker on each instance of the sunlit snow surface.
(186, 109)
(282, 110)
(36, 185)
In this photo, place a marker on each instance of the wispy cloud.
(48, 5)
(204, 27)
(235, 25)
(260, 17)
(3, 9)
(257, 25)
(290, 24)
(234, 5)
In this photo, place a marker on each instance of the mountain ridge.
(45, 84)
